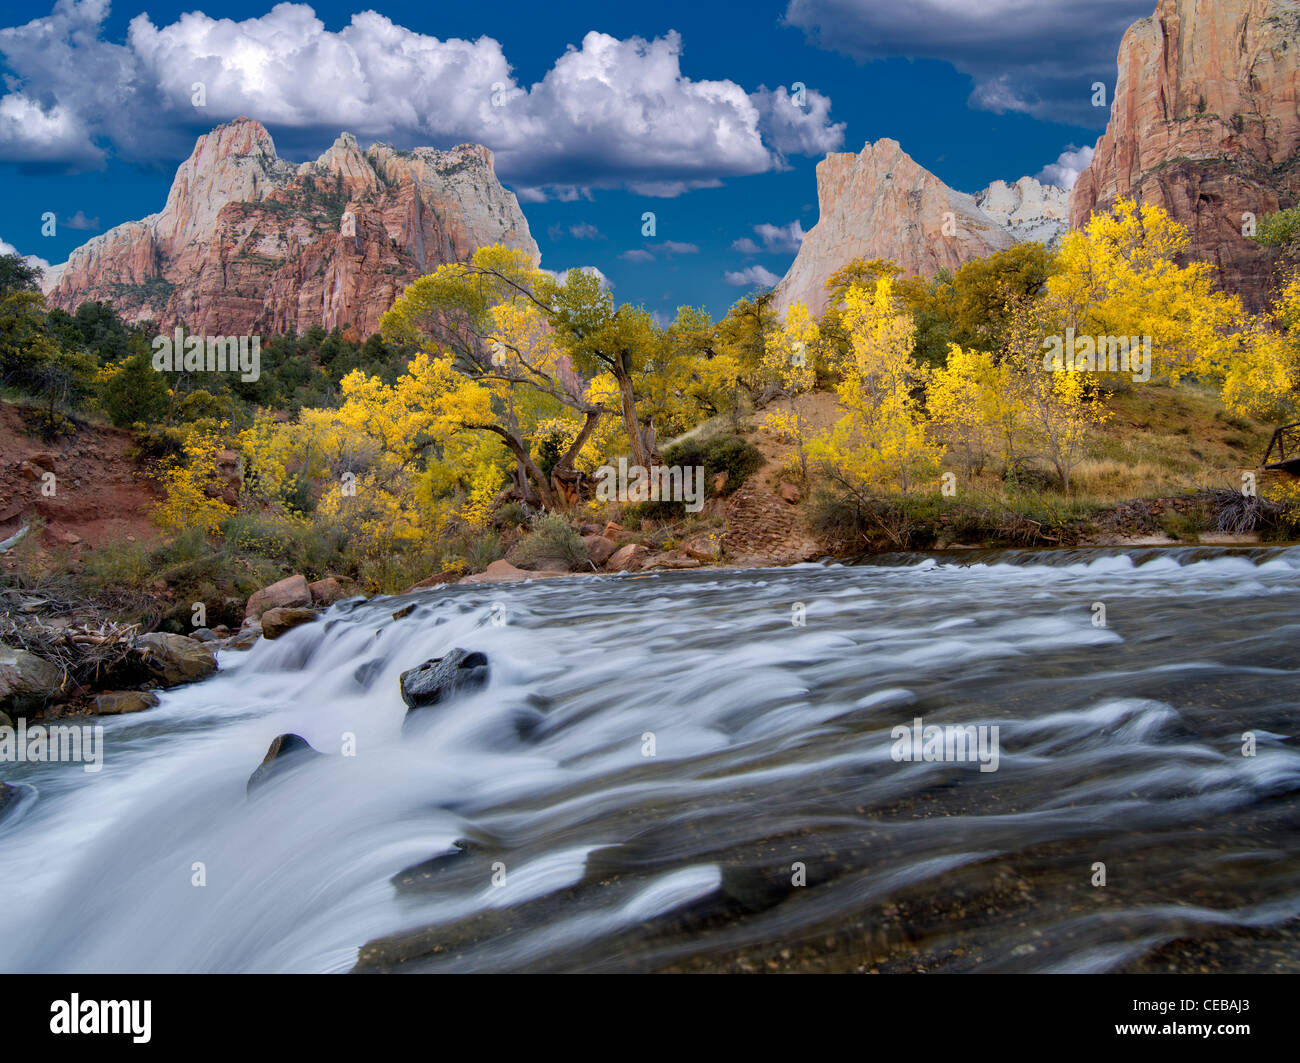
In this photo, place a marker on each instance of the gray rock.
(175, 659)
(25, 679)
(286, 752)
(436, 680)
(12, 797)
(121, 702)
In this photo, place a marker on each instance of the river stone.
(286, 751)
(275, 622)
(435, 680)
(25, 679)
(292, 592)
(121, 702)
(5, 721)
(10, 797)
(628, 558)
(329, 590)
(599, 549)
(175, 659)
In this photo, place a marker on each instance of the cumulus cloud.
(777, 239)
(609, 112)
(637, 255)
(1038, 57)
(7, 248)
(1066, 169)
(753, 275)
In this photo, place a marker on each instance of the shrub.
(722, 452)
(552, 538)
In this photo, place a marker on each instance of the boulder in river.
(175, 659)
(275, 622)
(121, 702)
(11, 797)
(292, 592)
(26, 680)
(436, 680)
(285, 752)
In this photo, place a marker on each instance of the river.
(701, 771)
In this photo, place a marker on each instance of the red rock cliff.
(1205, 123)
(248, 243)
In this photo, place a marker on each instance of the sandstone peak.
(248, 242)
(881, 203)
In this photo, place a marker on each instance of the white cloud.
(637, 255)
(753, 275)
(1066, 169)
(777, 239)
(1038, 57)
(7, 248)
(609, 113)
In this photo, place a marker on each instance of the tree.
(788, 365)
(495, 319)
(882, 440)
(131, 391)
(1120, 277)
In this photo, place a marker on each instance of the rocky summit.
(249, 243)
(1205, 124)
(881, 203)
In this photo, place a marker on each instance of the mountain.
(248, 243)
(883, 204)
(1205, 123)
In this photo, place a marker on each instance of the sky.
(710, 116)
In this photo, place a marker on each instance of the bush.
(722, 452)
(552, 538)
(477, 549)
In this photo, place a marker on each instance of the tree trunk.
(641, 455)
(525, 459)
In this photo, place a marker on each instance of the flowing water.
(670, 771)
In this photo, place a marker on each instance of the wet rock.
(5, 721)
(365, 673)
(26, 680)
(292, 592)
(628, 558)
(599, 549)
(204, 634)
(436, 680)
(286, 752)
(275, 622)
(122, 702)
(425, 874)
(11, 797)
(175, 659)
(245, 639)
(404, 612)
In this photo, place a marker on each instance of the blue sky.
(609, 111)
